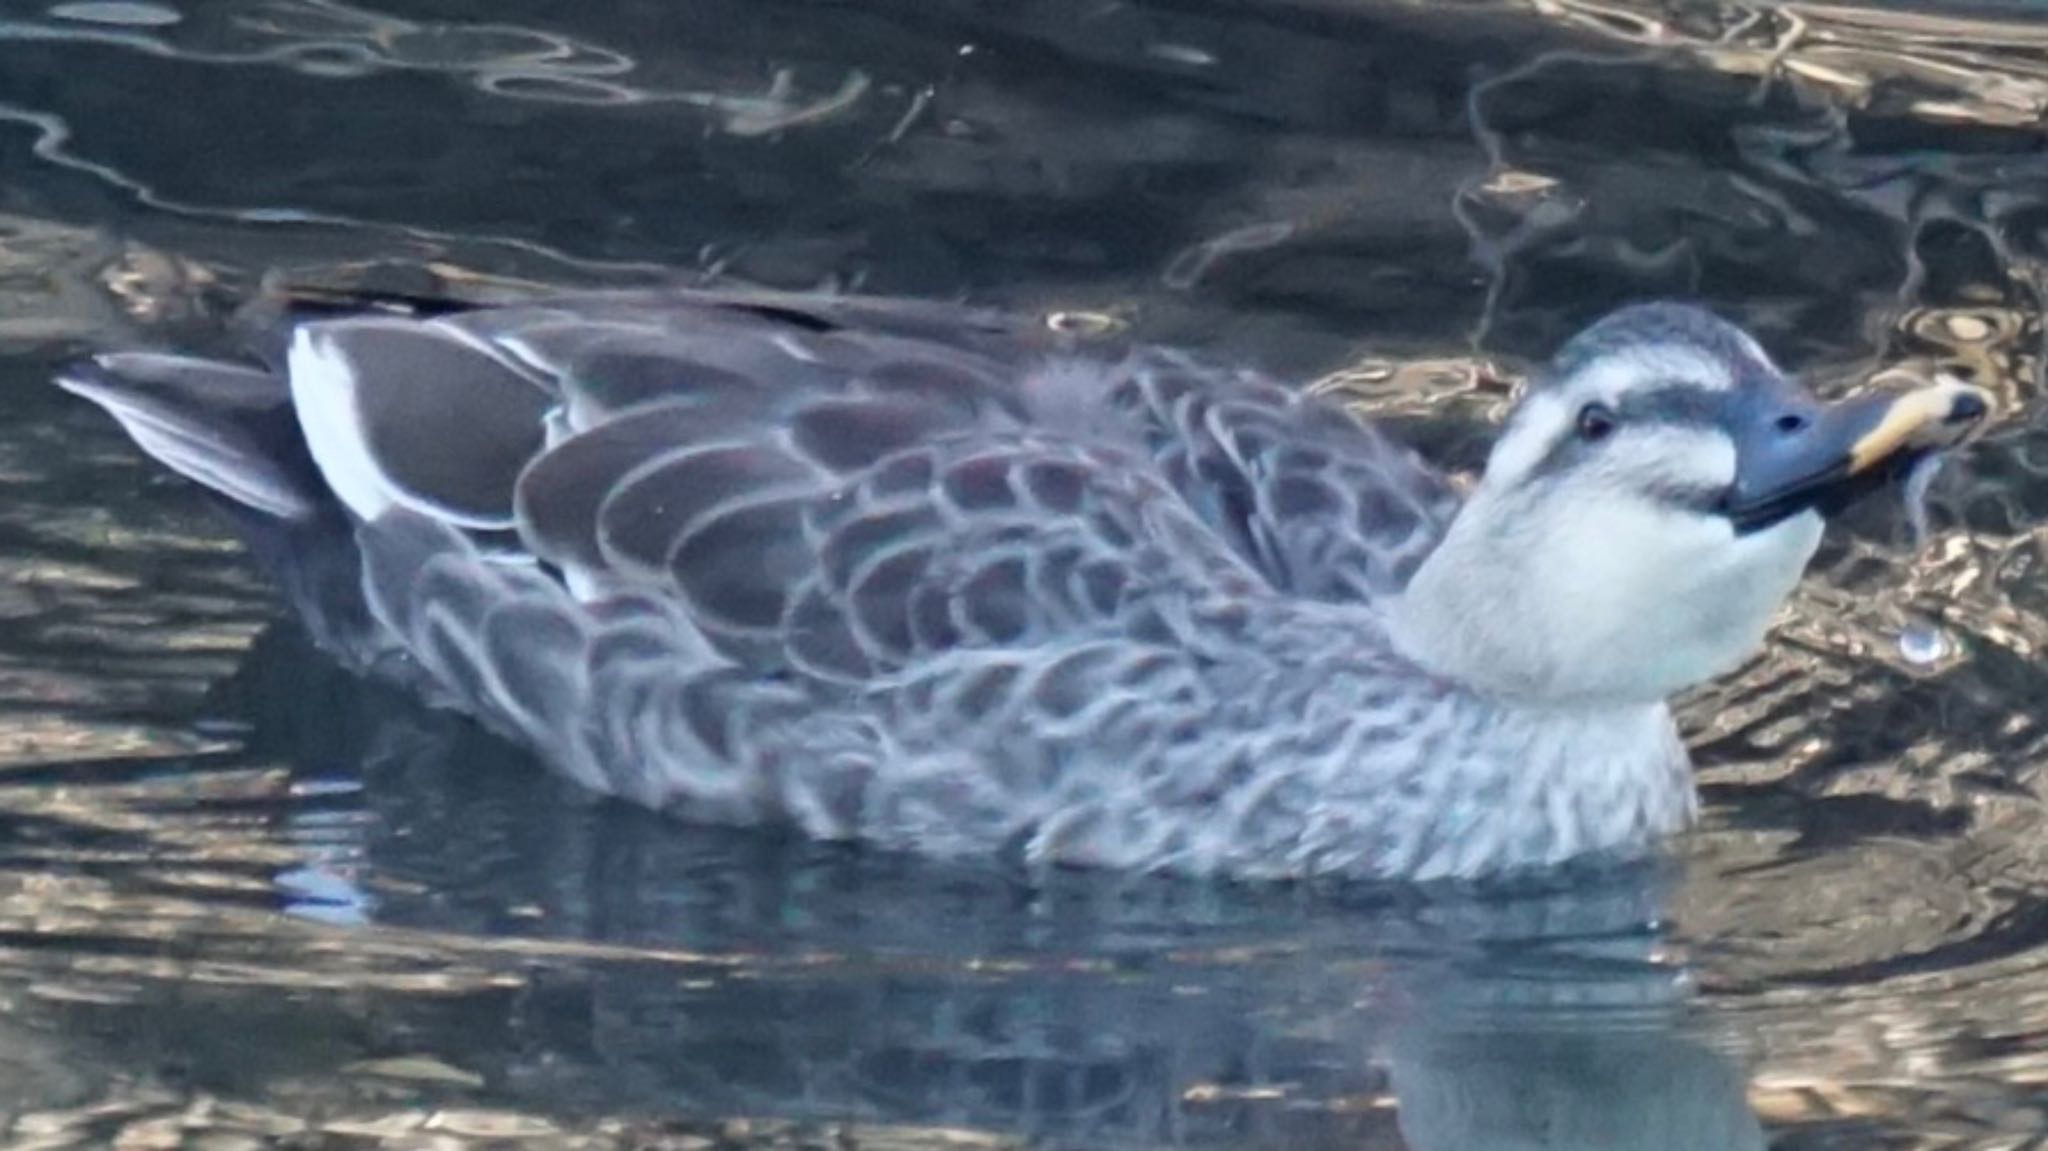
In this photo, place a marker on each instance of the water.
(246, 901)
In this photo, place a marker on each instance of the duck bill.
(1826, 458)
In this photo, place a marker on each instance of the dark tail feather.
(228, 427)
(232, 429)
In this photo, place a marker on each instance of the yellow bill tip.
(1931, 417)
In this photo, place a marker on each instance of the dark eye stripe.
(1678, 404)
(1675, 405)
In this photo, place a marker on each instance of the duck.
(943, 579)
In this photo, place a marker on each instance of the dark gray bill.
(1826, 457)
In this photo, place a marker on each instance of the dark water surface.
(245, 901)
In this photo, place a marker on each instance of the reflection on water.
(245, 900)
(540, 956)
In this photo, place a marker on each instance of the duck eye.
(1597, 421)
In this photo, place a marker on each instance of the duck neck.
(1477, 623)
(1431, 781)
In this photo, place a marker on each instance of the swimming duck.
(944, 580)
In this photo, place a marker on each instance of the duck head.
(1651, 502)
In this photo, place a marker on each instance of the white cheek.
(1606, 544)
(1777, 556)
(1659, 598)
(1678, 458)
(1618, 564)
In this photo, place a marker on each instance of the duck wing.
(1323, 504)
(836, 500)
(836, 484)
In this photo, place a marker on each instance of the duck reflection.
(1514, 1090)
(743, 974)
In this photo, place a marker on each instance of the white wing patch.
(324, 395)
(415, 416)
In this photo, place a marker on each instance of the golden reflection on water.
(1955, 68)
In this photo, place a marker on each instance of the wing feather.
(1321, 502)
(846, 486)
(651, 509)
(557, 497)
(400, 411)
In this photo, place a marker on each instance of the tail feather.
(228, 427)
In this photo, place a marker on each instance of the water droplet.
(1922, 644)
